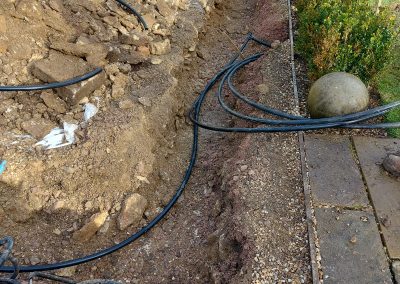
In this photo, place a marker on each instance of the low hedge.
(344, 35)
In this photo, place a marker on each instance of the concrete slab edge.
(315, 271)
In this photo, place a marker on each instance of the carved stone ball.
(337, 93)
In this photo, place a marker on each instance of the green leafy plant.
(344, 35)
(387, 83)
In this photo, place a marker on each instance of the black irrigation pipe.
(292, 122)
(54, 85)
(75, 80)
(226, 73)
(157, 219)
(133, 11)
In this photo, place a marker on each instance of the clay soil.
(140, 141)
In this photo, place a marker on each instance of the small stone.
(275, 44)
(38, 127)
(353, 240)
(145, 101)
(104, 229)
(132, 211)
(263, 89)
(57, 231)
(83, 101)
(133, 57)
(54, 102)
(143, 179)
(67, 272)
(164, 8)
(150, 20)
(336, 94)
(94, 53)
(118, 206)
(119, 85)
(57, 206)
(244, 167)
(126, 104)
(144, 50)
(392, 165)
(34, 260)
(91, 227)
(156, 61)
(160, 47)
(89, 205)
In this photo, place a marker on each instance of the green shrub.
(343, 35)
(387, 83)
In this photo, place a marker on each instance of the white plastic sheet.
(61, 137)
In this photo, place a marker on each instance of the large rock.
(337, 93)
(132, 211)
(59, 67)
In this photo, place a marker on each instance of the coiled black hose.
(291, 122)
(227, 72)
(5, 256)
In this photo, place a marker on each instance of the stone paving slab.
(335, 178)
(351, 248)
(384, 189)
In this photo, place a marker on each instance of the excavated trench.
(138, 144)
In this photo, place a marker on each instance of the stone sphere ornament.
(337, 93)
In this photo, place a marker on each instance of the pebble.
(34, 260)
(145, 101)
(160, 47)
(67, 272)
(156, 60)
(275, 44)
(263, 89)
(392, 165)
(126, 104)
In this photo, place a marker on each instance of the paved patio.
(356, 207)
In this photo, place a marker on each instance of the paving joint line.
(349, 208)
(354, 149)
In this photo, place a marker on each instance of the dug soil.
(242, 217)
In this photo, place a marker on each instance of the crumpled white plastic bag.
(59, 137)
(90, 111)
